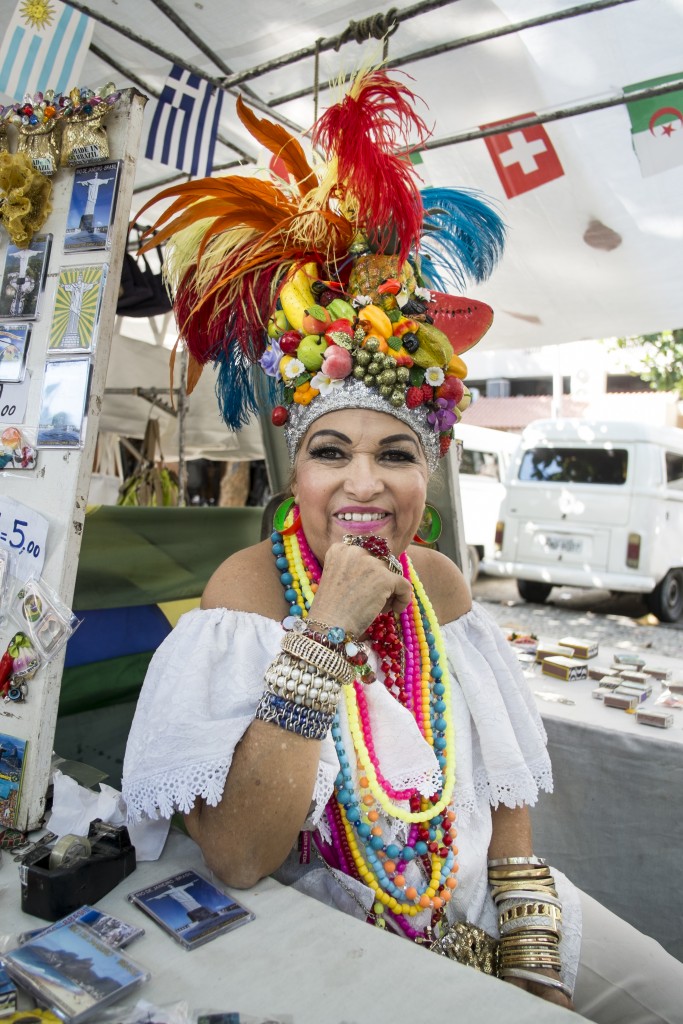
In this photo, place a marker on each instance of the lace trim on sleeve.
(159, 796)
(521, 787)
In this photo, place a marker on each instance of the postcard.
(14, 339)
(114, 932)
(72, 971)
(12, 760)
(8, 995)
(91, 210)
(23, 279)
(190, 908)
(63, 403)
(77, 309)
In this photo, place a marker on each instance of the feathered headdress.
(326, 277)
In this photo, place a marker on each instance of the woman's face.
(360, 472)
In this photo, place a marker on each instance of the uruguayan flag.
(44, 47)
(185, 123)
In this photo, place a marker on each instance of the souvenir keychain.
(46, 620)
(18, 664)
(15, 451)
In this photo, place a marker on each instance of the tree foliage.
(662, 358)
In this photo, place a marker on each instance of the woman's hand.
(355, 587)
(551, 995)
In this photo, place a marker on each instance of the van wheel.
(474, 560)
(533, 591)
(666, 600)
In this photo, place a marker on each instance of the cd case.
(111, 930)
(72, 971)
(190, 908)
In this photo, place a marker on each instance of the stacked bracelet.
(307, 722)
(530, 917)
(302, 683)
(323, 658)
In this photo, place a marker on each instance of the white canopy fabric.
(553, 284)
(135, 364)
(594, 252)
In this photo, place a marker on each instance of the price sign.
(13, 399)
(23, 532)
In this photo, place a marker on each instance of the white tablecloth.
(297, 957)
(614, 824)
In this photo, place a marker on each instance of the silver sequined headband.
(354, 394)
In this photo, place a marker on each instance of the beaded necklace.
(413, 660)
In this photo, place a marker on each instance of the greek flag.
(44, 47)
(185, 123)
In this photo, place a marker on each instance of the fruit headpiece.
(333, 280)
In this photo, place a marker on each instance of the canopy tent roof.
(593, 252)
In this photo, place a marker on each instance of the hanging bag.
(142, 292)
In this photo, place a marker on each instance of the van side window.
(674, 470)
(575, 465)
(480, 464)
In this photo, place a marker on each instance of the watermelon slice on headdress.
(464, 321)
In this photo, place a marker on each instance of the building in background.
(587, 379)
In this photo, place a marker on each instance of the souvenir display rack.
(57, 488)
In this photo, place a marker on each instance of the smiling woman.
(338, 713)
(364, 479)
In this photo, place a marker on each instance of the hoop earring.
(429, 530)
(280, 517)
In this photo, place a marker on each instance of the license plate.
(559, 544)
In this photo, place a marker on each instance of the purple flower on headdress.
(270, 360)
(443, 417)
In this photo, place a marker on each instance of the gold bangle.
(325, 660)
(501, 862)
(539, 909)
(521, 896)
(550, 939)
(512, 873)
(523, 883)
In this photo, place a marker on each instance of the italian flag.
(657, 126)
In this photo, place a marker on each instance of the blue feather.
(463, 237)
(236, 387)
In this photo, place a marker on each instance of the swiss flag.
(524, 157)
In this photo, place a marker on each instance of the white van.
(484, 461)
(595, 504)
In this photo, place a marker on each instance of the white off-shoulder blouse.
(200, 696)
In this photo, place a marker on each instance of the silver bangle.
(540, 979)
(502, 862)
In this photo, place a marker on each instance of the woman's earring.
(429, 530)
(280, 517)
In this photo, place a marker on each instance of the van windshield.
(575, 465)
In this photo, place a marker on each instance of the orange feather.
(278, 141)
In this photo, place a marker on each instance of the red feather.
(366, 133)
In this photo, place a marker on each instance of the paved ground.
(617, 621)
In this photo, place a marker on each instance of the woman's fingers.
(355, 587)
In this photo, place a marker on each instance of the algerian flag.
(657, 126)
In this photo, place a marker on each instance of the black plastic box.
(52, 893)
